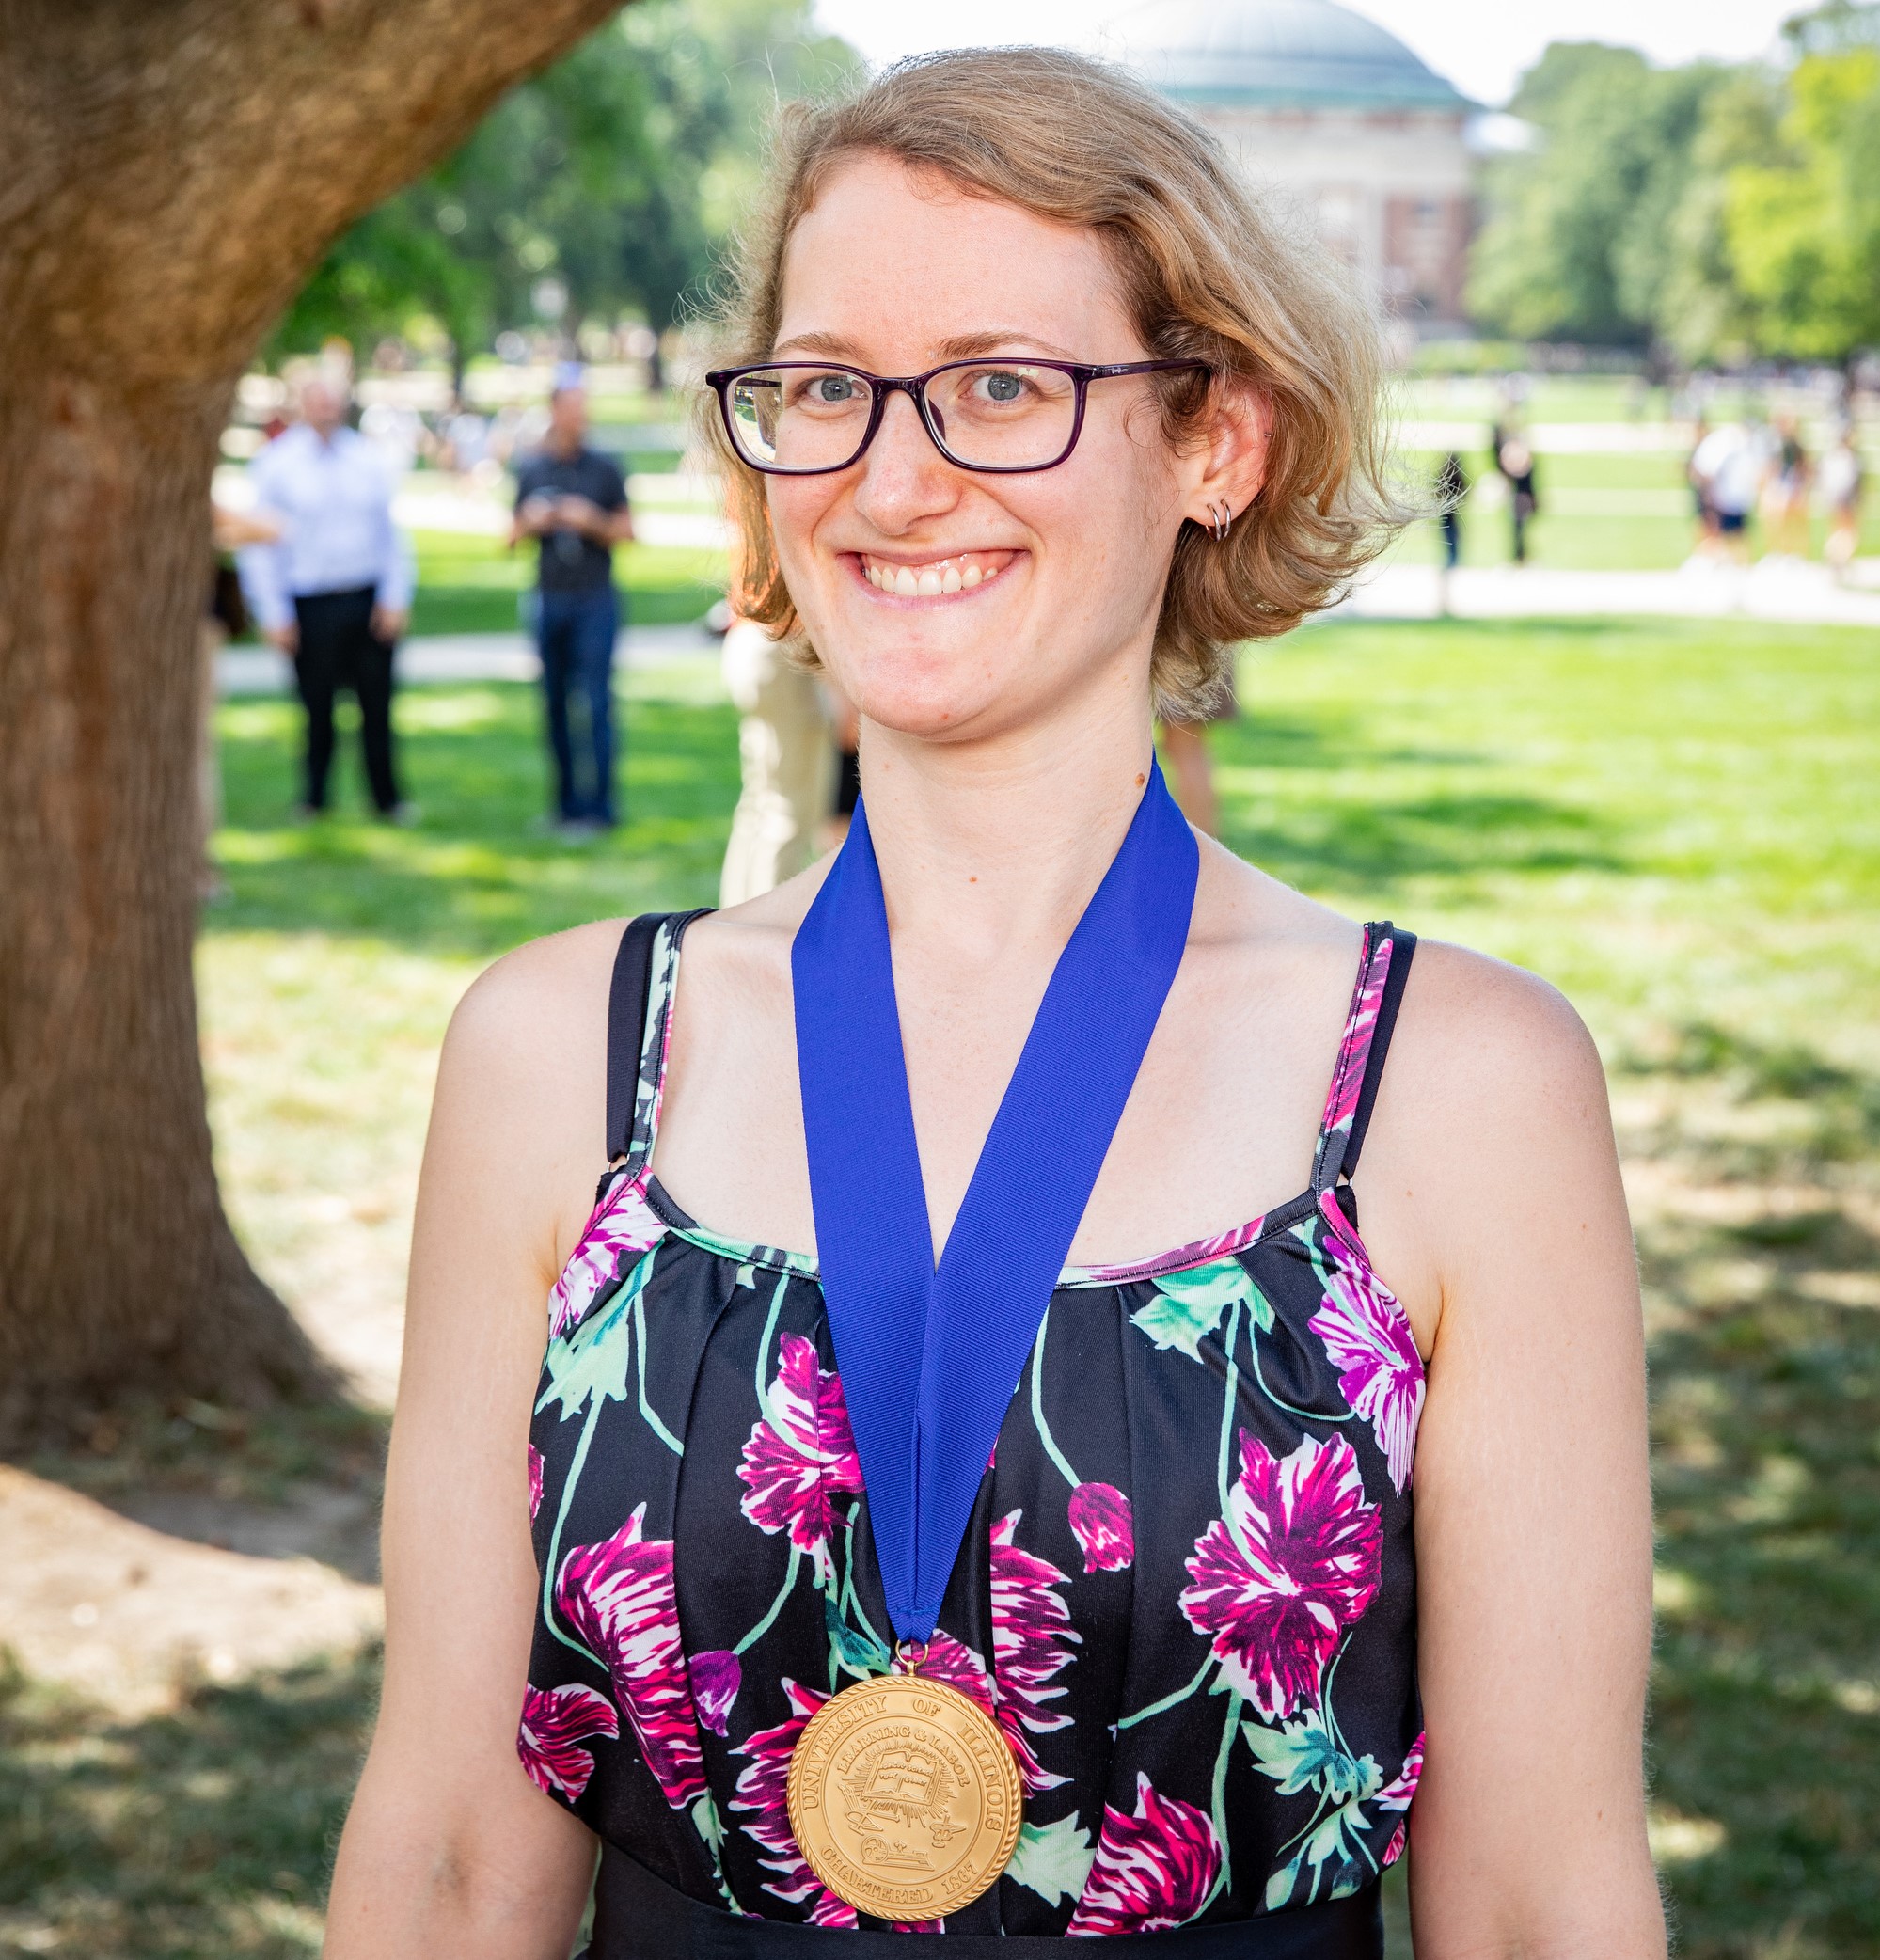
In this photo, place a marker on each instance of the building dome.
(1279, 54)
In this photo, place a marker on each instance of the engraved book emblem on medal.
(904, 1797)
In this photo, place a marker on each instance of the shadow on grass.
(1766, 1692)
(205, 1831)
(476, 876)
(290, 1482)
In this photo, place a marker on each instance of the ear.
(1231, 464)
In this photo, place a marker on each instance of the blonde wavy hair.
(1209, 273)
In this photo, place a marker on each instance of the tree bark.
(170, 172)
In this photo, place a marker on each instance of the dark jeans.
(339, 649)
(575, 633)
(1452, 539)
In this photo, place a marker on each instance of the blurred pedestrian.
(334, 591)
(786, 764)
(1452, 485)
(573, 501)
(1702, 511)
(1514, 458)
(1839, 483)
(1785, 492)
(1731, 464)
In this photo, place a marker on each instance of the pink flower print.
(960, 1666)
(623, 1226)
(534, 1480)
(715, 1676)
(1197, 1252)
(1366, 1335)
(1396, 1795)
(1104, 1526)
(1153, 1872)
(555, 1721)
(801, 1454)
(1032, 1638)
(1354, 1050)
(1294, 1560)
(620, 1600)
(762, 1797)
(1400, 1841)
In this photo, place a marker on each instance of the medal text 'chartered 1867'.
(904, 1797)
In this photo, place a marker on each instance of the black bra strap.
(627, 1019)
(1402, 950)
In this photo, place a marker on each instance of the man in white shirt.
(334, 591)
(1730, 465)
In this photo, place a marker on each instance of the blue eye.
(1004, 387)
(834, 387)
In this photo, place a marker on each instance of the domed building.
(1338, 116)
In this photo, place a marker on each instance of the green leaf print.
(856, 1654)
(590, 1362)
(1280, 1886)
(1188, 1306)
(1054, 1859)
(1302, 1756)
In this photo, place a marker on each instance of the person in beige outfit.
(786, 758)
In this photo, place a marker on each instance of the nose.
(904, 477)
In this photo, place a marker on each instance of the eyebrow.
(956, 347)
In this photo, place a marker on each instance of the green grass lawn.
(1675, 822)
(470, 584)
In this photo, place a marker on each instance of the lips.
(934, 577)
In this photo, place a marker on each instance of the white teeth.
(931, 581)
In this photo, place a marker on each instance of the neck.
(996, 845)
(563, 445)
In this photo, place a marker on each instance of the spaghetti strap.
(637, 1010)
(1383, 969)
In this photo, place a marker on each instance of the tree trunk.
(170, 172)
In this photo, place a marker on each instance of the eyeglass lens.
(1005, 415)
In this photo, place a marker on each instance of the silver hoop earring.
(1220, 516)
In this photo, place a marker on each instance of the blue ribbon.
(930, 1355)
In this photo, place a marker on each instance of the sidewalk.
(1788, 593)
(465, 656)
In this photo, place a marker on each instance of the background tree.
(1803, 230)
(1575, 244)
(168, 177)
(617, 172)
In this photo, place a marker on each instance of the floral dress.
(1187, 1592)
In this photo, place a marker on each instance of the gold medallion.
(905, 1798)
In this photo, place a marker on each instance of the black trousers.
(339, 649)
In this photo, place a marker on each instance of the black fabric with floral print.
(1187, 1592)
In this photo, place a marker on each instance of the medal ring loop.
(913, 1654)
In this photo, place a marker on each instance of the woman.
(1173, 1665)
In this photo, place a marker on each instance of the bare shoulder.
(539, 1005)
(743, 952)
(1490, 1158)
(1481, 1040)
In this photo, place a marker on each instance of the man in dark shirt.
(574, 501)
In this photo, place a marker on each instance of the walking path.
(1797, 595)
(1776, 589)
(463, 656)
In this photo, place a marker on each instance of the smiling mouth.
(933, 579)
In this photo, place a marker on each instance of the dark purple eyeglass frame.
(915, 387)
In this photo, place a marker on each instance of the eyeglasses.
(806, 418)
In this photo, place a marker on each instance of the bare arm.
(1492, 1182)
(449, 1848)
